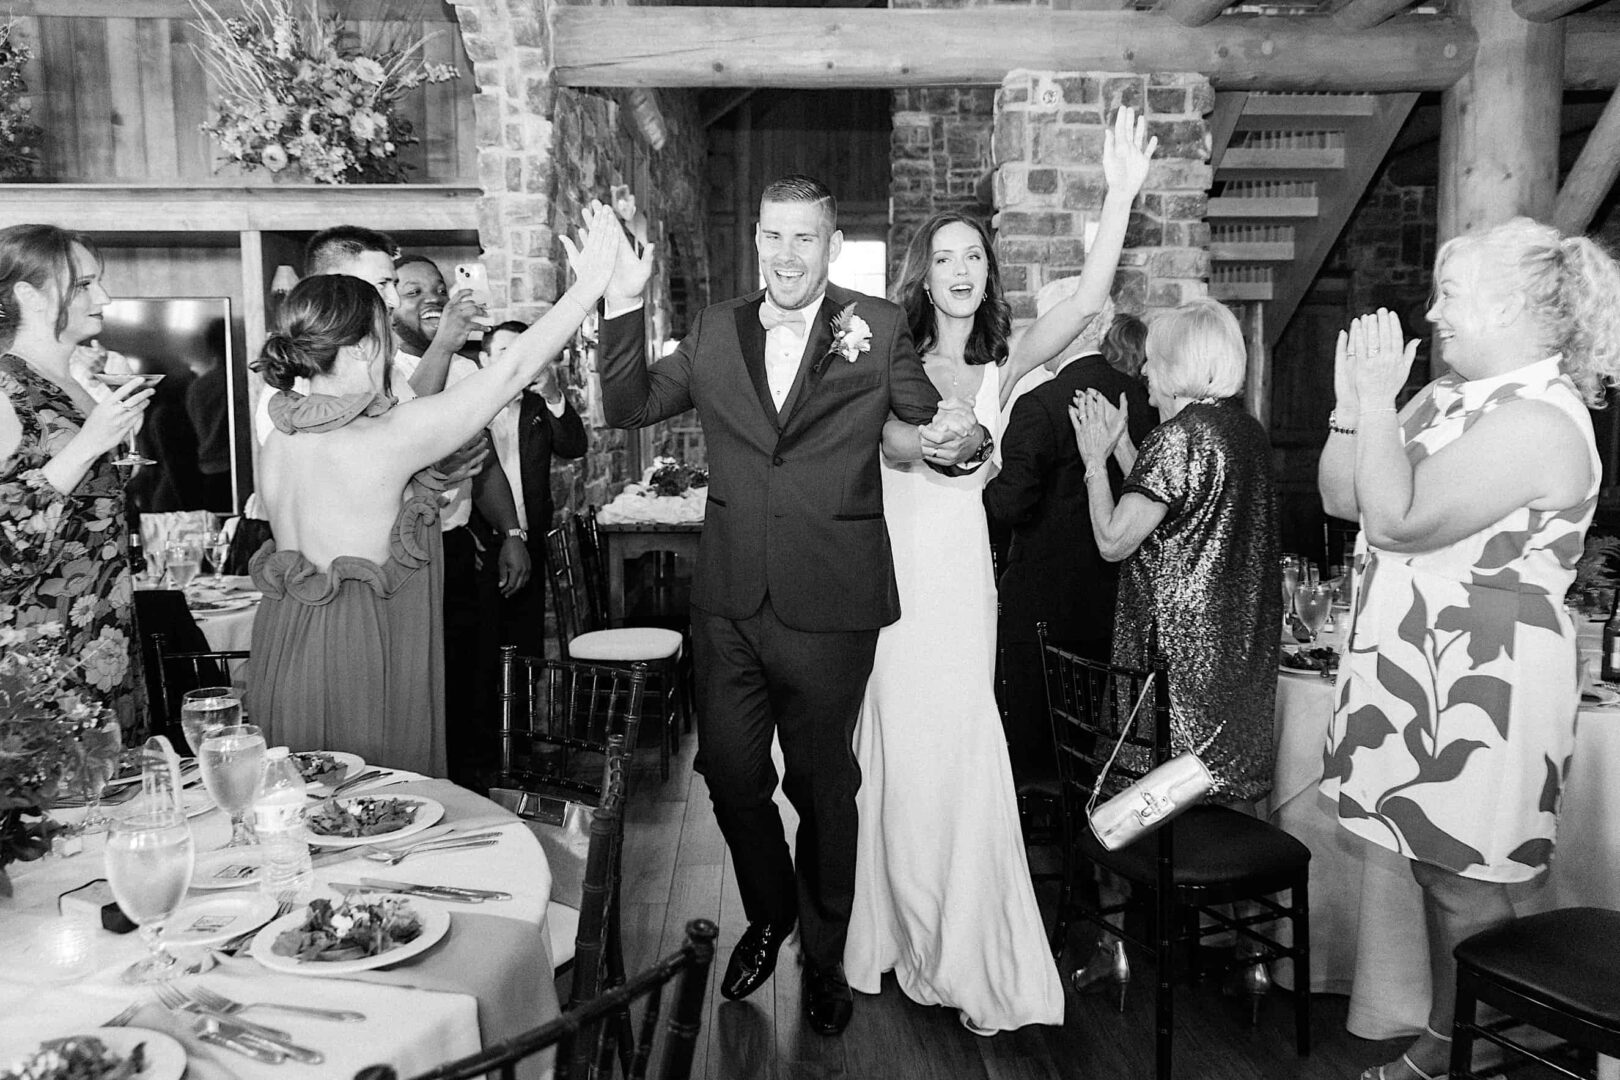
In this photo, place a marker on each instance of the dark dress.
(65, 558)
(352, 657)
(1206, 577)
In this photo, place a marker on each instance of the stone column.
(1049, 184)
(939, 154)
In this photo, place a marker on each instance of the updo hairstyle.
(38, 254)
(321, 315)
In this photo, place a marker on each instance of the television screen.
(190, 426)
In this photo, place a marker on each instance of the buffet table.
(1368, 938)
(489, 978)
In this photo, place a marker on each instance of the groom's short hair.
(800, 188)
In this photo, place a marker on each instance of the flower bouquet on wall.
(19, 135)
(297, 90)
(48, 723)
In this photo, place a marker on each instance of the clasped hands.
(1370, 365)
(1098, 426)
(948, 438)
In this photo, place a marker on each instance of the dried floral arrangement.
(19, 135)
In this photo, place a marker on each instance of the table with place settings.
(1368, 938)
(488, 978)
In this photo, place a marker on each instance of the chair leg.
(1462, 1028)
(1300, 920)
(1164, 999)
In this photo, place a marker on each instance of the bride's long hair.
(992, 323)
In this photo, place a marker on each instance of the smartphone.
(473, 276)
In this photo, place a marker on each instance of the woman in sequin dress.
(1456, 705)
(1196, 527)
(64, 555)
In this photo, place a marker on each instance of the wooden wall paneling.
(194, 151)
(55, 95)
(461, 93)
(127, 100)
(158, 99)
(93, 104)
(438, 106)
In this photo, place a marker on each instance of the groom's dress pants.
(755, 677)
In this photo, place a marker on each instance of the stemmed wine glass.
(232, 762)
(1293, 569)
(115, 379)
(205, 711)
(98, 757)
(150, 856)
(219, 549)
(1312, 602)
(184, 559)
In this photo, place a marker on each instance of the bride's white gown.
(942, 890)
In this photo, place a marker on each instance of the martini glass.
(132, 456)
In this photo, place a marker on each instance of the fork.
(125, 1016)
(177, 1000)
(286, 900)
(448, 843)
(219, 1003)
(364, 778)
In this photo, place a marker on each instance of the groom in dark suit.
(792, 385)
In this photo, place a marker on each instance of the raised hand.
(116, 417)
(622, 275)
(1127, 152)
(461, 314)
(1380, 358)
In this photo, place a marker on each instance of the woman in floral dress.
(1456, 701)
(63, 548)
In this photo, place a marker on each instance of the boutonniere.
(851, 335)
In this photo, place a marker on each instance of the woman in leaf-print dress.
(63, 550)
(1456, 701)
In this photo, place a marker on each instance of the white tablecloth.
(415, 1020)
(1368, 938)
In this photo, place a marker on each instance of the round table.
(488, 979)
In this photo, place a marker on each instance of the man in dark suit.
(793, 385)
(528, 433)
(1054, 573)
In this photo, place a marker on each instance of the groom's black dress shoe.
(827, 1000)
(754, 958)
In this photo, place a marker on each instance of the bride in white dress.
(943, 896)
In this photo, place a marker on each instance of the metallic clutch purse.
(1155, 798)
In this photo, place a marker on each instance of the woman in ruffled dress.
(347, 653)
(64, 555)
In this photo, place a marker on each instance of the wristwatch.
(982, 454)
(521, 534)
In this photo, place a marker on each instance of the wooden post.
(1498, 127)
(1588, 183)
(1257, 384)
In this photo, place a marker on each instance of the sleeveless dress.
(65, 558)
(942, 889)
(1456, 699)
(352, 657)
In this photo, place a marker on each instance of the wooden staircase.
(1289, 170)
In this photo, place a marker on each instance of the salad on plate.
(317, 767)
(79, 1057)
(361, 816)
(359, 927)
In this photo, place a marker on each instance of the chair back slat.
(571, 595)
(570, 707)
(178, 672)
(592, 564)
(689, 965)
(1090, 703)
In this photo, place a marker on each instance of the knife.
(257, 1053)
(402, 886)
(237, 1031)
(425, 891)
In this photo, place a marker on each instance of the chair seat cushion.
(1567, 958)
(626, 644)
(1214, 846)
(562, 927)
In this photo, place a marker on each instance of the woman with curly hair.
(943, 896)
(64, 555)
(1456, 700)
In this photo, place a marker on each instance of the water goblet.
(1311, 604)
(184, 558)
(232, 764)
(132, 455)
(219, 549)
(150, 855)
(98, 749)
(205, 711)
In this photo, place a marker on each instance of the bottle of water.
(278, 818)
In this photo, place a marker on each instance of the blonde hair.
(1198, 351)
(1571, 288)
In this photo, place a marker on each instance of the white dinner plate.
(1286, 670)
(165, 1058)
(1599, 697)
(352, 764)
(213, 919)
(435, 924)
(196, 801)
(201, 606)
(427, 813)
(227, 868)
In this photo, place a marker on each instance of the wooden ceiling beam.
(1192, 12)
(358, 10)
(1593, 174)
(1366, 14)
(833, 47)
(1546, 10)
(1591, 42)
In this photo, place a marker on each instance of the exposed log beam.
(820, 47)
(1595, 171)
(1192, 12)
(358, 10)
(1591, 42)
(1366, 14)
(1546, 10)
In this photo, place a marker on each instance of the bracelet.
(1093, 475)
(1337, 428)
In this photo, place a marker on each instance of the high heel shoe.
(1411, 1066)
(1253, 979)
(1108, 965)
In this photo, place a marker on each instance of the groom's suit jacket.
(795, 506)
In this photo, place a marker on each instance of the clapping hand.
(947, 437)
(604, 260)
(1379, 357)
(1097, 428)
(1111, 418)
(1127, 152)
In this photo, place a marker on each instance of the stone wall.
(940, 153)
(1388, 246)
(543, 152)
(1049, 184)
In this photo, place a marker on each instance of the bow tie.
(771, 317)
